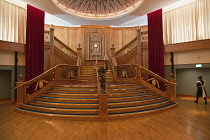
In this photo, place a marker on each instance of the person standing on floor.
(200, 89)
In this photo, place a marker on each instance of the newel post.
(21, 91)
(79, 54)
(139, 58)
(52, 49)
(103, 107)
(172, 88)
(112, 50)
(57, 73)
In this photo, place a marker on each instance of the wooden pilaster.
(103, 107)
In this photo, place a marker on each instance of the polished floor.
(189, 121)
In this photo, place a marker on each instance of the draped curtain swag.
(187, 23)
(12, 22)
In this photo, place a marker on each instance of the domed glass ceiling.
(98, 9)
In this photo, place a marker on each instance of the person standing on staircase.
(200, 89)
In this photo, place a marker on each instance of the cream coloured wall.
(7, 58)
(189, 57)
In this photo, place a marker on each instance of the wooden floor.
(189, 121)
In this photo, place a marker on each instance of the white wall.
(7, 58)
(189, 57)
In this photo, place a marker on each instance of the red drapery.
(34, 42)
(155, 42)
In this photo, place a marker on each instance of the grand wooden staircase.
(79, 99)
(80, 102)
(72, 91)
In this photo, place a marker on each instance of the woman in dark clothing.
(200, 89)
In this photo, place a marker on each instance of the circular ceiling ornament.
(98, 9)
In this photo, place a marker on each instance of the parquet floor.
(189, 121)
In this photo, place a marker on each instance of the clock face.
(95, 45)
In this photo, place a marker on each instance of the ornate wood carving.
(95, 40)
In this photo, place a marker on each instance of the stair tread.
(64, 102)
(135, 100)
(81, 115)
(84, 109)
(153, 109)
(113, 108)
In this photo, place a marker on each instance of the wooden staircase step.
(126, 89)
(60, 110)
(142, 112)
(135, 93)
(138, 108)
(133, 98)
(64, 105)
(136, 103)
(57, 116)
(64, 95)
(67, 100)
(72, 91)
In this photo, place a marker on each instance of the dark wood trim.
(6, 99)
(186, 46)
(12, 46)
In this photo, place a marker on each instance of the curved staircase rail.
(126, 49)
(134, 73)
(65, 49)
(30, 89)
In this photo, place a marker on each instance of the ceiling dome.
(98, 9)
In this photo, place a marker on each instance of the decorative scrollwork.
(46, 37)
(69, 73)
(126, 72)
(65, 49)
(126, 50)
(154, 82)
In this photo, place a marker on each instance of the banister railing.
(65, 49)
(139, 74)
(57, 73)
(126, 49)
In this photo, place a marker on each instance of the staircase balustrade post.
(112, 50)
(21, 92)
(52, 48)
(172, 88)
(103, 107)
(57, 73)
(79, 54)
(139, 58)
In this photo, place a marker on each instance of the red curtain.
(34, 42)
(155, 42)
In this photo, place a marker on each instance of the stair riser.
(110, 100)
(114, 105)
(129, 94)
(68, 91)
(133, 109)
(124, 116)
(65, 105)
(63, 111)
(68, 100)
(71, 95)
(123, 86)
(124, 90)
(57, 116)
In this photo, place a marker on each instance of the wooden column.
(112, 50)
(52, 49)
(21, 92)
(103, 107)
(172, 88)
(79, 54)
(139, 58)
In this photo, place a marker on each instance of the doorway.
(5, 84)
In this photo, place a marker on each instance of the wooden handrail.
(134, 72)
(64, 45)
(123, 48)
(46, 79)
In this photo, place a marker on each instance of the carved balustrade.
(46, 36)
(65, 49)
(126, 49)
(29, 89)
(137, 74)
